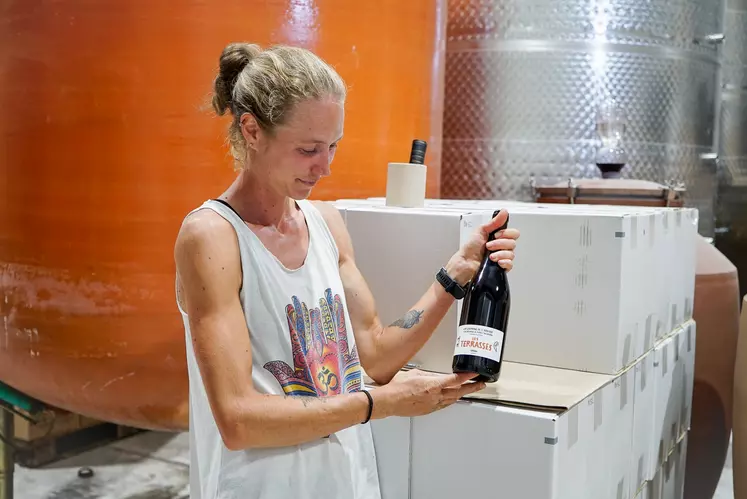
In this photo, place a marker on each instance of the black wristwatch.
(450, 285)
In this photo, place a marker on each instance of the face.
(299, 153)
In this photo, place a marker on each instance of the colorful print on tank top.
(323, 363)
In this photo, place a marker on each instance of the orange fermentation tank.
(106, 144)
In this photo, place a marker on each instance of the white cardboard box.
(678, 227)
(685, 223)
(670, 234)
(392, 437)
(538, 432)
(689, 247)
(608, 278)
(683, 376)
(637, 310)
(574, 289)
(674, 374)
(669, 480)
(674, 272)
(643, 422)
(687, 360)
(680, 464)
(666, 404)
(613, 444)
(645, 492)
(665, 407)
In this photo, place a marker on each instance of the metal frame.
(11, 398)
(7, 458)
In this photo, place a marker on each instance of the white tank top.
(302, 344)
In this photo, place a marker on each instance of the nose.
(323, 165)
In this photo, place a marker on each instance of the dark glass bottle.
(417, 152)
(482, 326)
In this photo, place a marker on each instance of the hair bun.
(233, 60)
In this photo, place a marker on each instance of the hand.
(416, 393)
(463, 266)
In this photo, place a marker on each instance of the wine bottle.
(482, 326)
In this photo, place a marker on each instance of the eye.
(307, 152)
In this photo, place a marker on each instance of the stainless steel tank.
(731, 206)
(524, 79)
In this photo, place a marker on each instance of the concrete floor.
(148, 465)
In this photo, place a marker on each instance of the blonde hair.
(268, 84)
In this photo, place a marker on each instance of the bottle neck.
(504, 226)
(486, 258)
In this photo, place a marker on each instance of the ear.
(250, 130)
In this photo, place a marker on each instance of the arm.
(384, 350)
(209, 272)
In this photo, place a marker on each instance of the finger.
(501, 244)
(446, 399)
(497, 256)
(418, 372)
(495, 222)
(509, 233)
(469, 388)
(466, 389)
(444, 404)
(457, 379)
(506, 265)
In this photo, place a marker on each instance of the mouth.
(308, 183)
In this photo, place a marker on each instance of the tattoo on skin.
(310, 400)
(409, 320)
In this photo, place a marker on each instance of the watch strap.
(450, 285)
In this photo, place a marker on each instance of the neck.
(258, 203)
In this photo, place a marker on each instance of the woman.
(278, 319)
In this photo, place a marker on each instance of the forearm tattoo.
(409, 320)
(307, 400)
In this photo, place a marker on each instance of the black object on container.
(417, 153)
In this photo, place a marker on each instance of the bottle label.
(481, 341)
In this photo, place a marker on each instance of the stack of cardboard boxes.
(595, 394)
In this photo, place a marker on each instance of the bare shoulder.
(206, 253)
(337, 227)
(330, 213)
(203, 230)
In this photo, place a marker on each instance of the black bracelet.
(370, 406)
